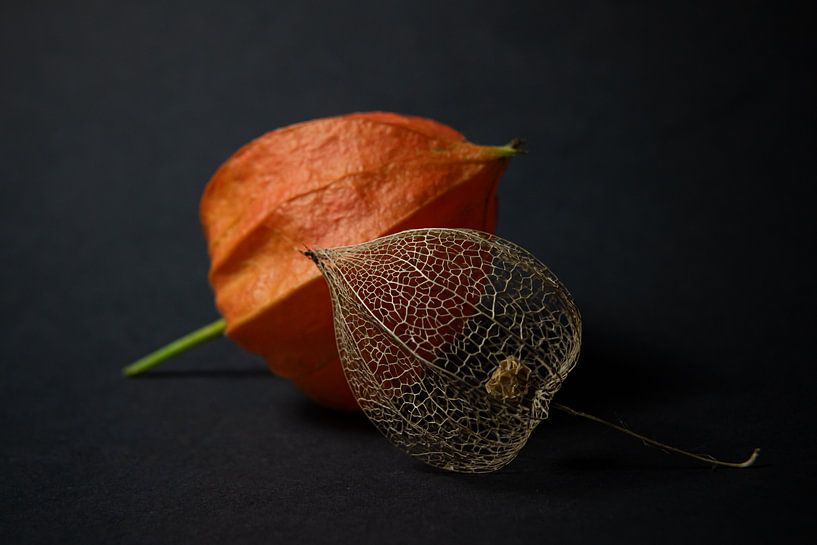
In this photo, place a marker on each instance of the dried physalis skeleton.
(454, 342)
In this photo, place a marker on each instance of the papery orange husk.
(326, 183)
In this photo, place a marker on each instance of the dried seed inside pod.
(453, 341)
(510, 380)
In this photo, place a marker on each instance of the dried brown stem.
(705, 458)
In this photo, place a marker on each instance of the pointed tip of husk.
(312, 254)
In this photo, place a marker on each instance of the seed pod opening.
(453, 341)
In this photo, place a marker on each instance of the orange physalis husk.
(325, 183)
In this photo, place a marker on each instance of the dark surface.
(669, 185)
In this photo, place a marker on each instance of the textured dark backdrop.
(668, 184)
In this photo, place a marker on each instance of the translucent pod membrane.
(453, 341)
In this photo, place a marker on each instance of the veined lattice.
(453, 341)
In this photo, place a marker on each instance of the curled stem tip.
(704, 458)
(178, 346)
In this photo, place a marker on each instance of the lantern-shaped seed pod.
(453, 341)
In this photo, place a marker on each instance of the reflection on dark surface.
(322, 417)
(251, 373)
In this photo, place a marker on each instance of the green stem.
(511, 149)
(190, 340)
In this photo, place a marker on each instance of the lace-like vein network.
(453, 341)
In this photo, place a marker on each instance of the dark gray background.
(669, 181)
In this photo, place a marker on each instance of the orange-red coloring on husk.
(327, 183)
